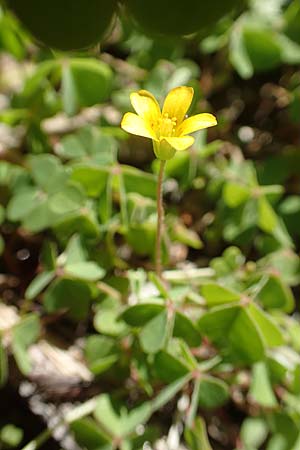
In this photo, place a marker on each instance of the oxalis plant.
(184, 349)
(201, 355)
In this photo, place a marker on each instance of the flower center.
(167, 126)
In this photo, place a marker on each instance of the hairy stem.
(160, 219)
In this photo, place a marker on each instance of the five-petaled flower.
(169, 128)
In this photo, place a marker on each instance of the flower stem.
(160, 219)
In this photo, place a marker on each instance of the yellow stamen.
(167, 126)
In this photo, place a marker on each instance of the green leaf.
(89, 142)
(23, 203)
(185, 329)
(215, 294)
(97, 347)
(38, 284)
(102, 365)
(141, 237)
(296, 446)
(89, 435)
(235, 194)
(290, 51)
(284, 424)
(278, 367)
(84, 220)
(238, 53)
(218, 321)
(106, 414)
(243, 332)
(292, 17)
(233, 327)
(86, 82)
(213, 392)
(139, 315)
(42, 166)
(281, 234)
(70, 146)
(138, 181)
(117, 420)
(270, 332)
(284, 262)
(27, 331)
(261, 389)
(278, 442)
(10, 173)
(262, 47)
(154, 334)
(254, 432)
(68, 200)
(39, 218)
(24, 334)
(179, 232)
(107, 321)
(169, 368)
(75, 251)
(241, 222)
(101, 354)
(93, 179)
(135, 417)
(276, 295)
(37, 81)
(74, 296)
(11, 38)
(267, 219)
(85, 270)
(139, 207)
(196, 436)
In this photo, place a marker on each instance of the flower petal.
(134, 124)
(146, 106)
(196, 123)
(179, 143)
(178, 102)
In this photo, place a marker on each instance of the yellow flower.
(169, 128)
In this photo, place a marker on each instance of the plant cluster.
(192, 343)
